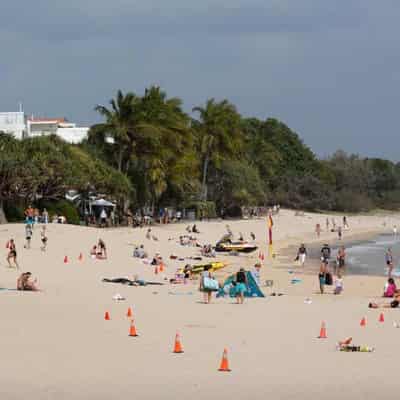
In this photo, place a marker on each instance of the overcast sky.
(329, 69)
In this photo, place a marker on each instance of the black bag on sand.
(328, 279)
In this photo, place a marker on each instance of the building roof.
(48, 120)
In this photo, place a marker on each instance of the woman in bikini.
(12, 253)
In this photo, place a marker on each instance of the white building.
(16, 124)
(56, 126)
(13, 123)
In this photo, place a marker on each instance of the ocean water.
(368, 258)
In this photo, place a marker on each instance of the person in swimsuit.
(206, 292)
(389, 261)
(101, 246)
(28, 236)
(241, 285)
(393, 304)
(24, 282)
(12, 253)
(43, 238)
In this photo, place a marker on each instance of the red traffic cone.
(66, 260)
(161, 267)
(381, 318)
(132, 329)
(322, 332)
(107, 316)
(224, 367)
(363, 322)
(178, 346)
(129, 313)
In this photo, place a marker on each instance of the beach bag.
(328, 279)
(210, 284)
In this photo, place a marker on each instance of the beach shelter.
(253, 289)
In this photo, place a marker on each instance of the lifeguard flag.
(270, 225)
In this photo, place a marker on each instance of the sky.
(329, 69)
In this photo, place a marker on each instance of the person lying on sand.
(24, 282)
(393, 304)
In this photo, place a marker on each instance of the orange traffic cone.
(381, 318)
(132, 329)
(363, 322)
(129, 313)
(224, 362)
(65, 259)
(322, 332)
(161, 267)
(178, 346)
(107, 316)
(156, 270)
(80, 258)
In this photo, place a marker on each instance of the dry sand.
(57, 345)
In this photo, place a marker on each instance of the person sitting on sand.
(12, 253)
(148, 234)
(390, 288)
(139, 252)
(24, 282)
(101, 249)
(93, 251)
(393, 304)
(338, 284)
(188, 271)
(253, 236)
(194, 229)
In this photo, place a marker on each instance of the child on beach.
(338, 284)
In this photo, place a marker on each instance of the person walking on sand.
(43, 238)
(389, 261)
(339, 232)
(327, 224)
(340, 260)
(12, 253)
(395, 230)
(318, 230)
(321, 277)
(241, 285)
(301, 254)
(28, 236)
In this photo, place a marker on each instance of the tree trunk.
(204, 180)
(3, 219)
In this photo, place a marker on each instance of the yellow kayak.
(214, 266)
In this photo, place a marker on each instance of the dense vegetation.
(148, 152)
(43, 169)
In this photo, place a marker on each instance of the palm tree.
(218, 134)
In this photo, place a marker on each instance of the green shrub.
(14, 212)
(62, 207)
(204, 209)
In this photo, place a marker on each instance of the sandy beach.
(57, 345)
